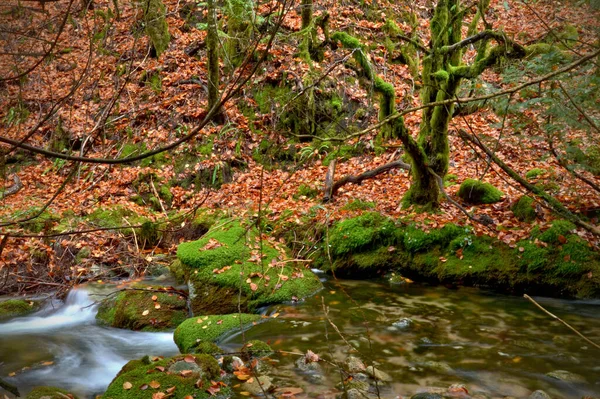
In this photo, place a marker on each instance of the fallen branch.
(15, 188)
(364, 176)
(562, 321)
(328, 191)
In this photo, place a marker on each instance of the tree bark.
(212, 49)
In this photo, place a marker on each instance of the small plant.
(16, 115)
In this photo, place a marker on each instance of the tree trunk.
(306, 13)
(212, 49)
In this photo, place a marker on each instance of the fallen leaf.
(154, 297)
(154, 384)
(157, 306)
(127, 385)
(186, 373)
(189, 359)
(145, 312)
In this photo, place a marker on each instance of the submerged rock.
(209, 329)
(258, 385)
(180, 375)
(403, 324)
(566, 376)
(539, 394)
(378, 374)
(355, 365)
(427, 395)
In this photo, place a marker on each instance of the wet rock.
(49, 393)
(182, 365)
(305, 366)
(566, 376)
(427, 395)
(403, 324)
(258, 385)
(181, 372)
(378, 374)
(458, 390)
(354, 364)
(209, 328)
(352, 394)
(255, 349)
(17, 307)
(144, 308)
(539, 394)
(362, 386)
(438, 367)
(231, 363)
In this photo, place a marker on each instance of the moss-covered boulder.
(197, 330)
(477, 192)
(49, 393)
(234, 257)
(524, 209)
(553, 261)
(17, 307)
(255, 349)
(143, 307)
(175, 377)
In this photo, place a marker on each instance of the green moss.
(126, 310)
(230, 250)
(352, 43)
(210, 329)
(450, 180)
(358, 205)
(416, 240)
(155, 24)
(255, 349)
(441, 75)
(49, 393)
(168, 374)
(534, 173)
(17, 307)
(209, 348)
(46, 221)
(306, 191)
(560, 228)
(478, 192)
(524, 209)
(364, 232)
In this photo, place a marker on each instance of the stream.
(424, 337)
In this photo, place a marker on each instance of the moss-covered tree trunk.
(212, 49)
(306, 13)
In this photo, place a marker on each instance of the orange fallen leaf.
(154, 384)
(127, 385)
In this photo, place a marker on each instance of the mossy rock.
(184, 375)
(524, 209)
(555, 262)
(209, 329)
(230, 250)
(255, 349)
(136, 310)
(477, 192)
(206, 347)
(49, 393)
(17, 307)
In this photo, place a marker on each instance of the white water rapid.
(62, 345)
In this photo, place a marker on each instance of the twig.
(562, 321)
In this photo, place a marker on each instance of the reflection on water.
(424, 337)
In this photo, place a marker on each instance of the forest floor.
(148, 112)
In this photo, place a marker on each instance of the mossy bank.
(17, 307)
(250, 270)
(553, 261)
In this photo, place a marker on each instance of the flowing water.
(424, 337)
